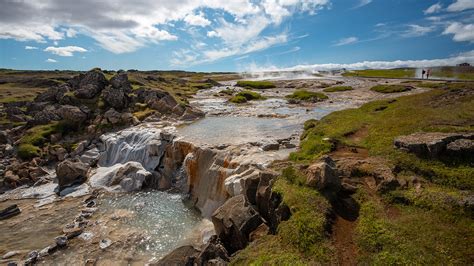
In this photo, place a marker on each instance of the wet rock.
(9, 212)
(32, 257)
(214, 250)
(71, 172)
(90, 84)
(234, 221)
(86, 236)
(323, 175)
(192, 114)
(90, 157)
(10, 254)
(185, 255)
(270, 146)
(61, 241)
(121, 177)
(105, 243)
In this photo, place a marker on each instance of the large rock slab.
(90, 84)
(429, 144)
(234, 221)
(71, 172)
(126, 177)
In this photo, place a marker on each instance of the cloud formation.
(461, 32)
(346, 41)
(49, 60)
(433, 9)
(461, 58)
(461, 5)
(65, 51)
(31, 47)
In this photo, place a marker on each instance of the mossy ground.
(405, 226)
(245, 96)
(304, 95)
(394, 88)
(255, 84)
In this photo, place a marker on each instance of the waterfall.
(142, 145)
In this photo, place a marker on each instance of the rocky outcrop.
(235, 221)
(71, 172)
(323, 175)
(89, 85)
(72, 114)
(120, 82)
(115, 97)
(435, 144)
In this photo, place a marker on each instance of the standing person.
(428, 73)
(423, 73)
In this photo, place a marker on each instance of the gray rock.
(72, 114)
(461, 148)
(115, 97)
(323, 175)
(429, 144)
(71, 172)
(234, 221)
(4, 139)
(90, 84)
(10, 254)
(120, 81)
(112, 116)
(105, 243)
(271, 147)
(61, 241)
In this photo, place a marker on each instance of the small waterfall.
(142, 145)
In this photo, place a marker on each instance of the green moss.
(28, 151)
(227, 91)
(390, 88)
(141, 115)
(338, 88)
(244, 96)
(304, 95)
(387, 73)
(412, 236)
(255, 84)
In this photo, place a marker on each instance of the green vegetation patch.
(383, 73)
(304, 95)
(28, 151)
(141, 115)
(391, 88)
(338, 88)
(244, 96)
(383, 121)
(255, 84)
(402, 235)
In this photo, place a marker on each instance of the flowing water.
(165, 221)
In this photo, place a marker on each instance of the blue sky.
(236, 35)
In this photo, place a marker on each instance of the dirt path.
(343, 240)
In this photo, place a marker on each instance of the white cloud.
(461, 58)
(433, 9)
(461, 32)
(417, 30)
(31, 48)
(197, 20)
(346, 41)
(49, 60)
(65, 51)
(362, 3)
(461, 5)
(122, 26)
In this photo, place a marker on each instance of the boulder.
(72, 114)
(214, 250)
(46, 116)
(90, 84)
(13, 110)
(127, 177)
(4, 138)
(323, 175)
(115, 98)
(234, 221)
(429, 144)
(271, 147)
(192, 114)
(164, 105)
(71, 172)
(53, 94)
(185, 255)
(120, 81)
(113, 117)
(461, 148)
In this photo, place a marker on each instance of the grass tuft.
(255, 84)
(304, 95)
(338, 89)
(391, 88)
